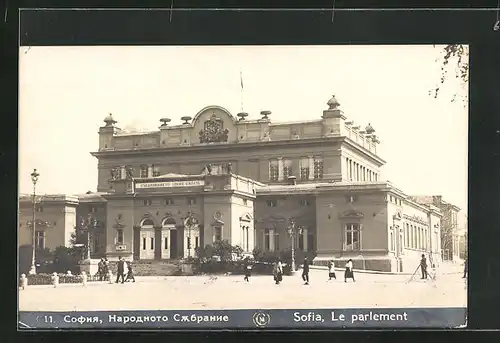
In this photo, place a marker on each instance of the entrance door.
(147, 251)
(173, 244)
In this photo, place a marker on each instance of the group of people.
(103, 270)
(278, 271)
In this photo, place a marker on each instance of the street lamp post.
(89, 225)
(293, 230)
(190, 222)
(34, 179)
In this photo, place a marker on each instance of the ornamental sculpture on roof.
(214, 131)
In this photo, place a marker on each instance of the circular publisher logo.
(261, 319)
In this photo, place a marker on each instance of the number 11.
(48, 319)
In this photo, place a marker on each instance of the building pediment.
(351, 214)
(247, 217)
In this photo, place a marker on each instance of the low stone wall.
(375, 264)
(151, 268)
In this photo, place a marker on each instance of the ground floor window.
(119, 236)
(310, 241)
(352, 236)
(40, 240)
(217, 233)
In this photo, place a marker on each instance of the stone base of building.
(380, 264)
(90, 267)
(114, 256)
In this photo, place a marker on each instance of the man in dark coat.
(305, 271)
(423, 267)
(121, 270)
(100, 270)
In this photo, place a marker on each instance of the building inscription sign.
(170, 184)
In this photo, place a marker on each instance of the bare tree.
(448, 230)
(454, 62)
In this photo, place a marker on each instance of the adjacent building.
(215, 177)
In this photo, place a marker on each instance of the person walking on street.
(423, 267)
(331, 270)
(305, 271)
(100, 270)
(278, 271)
(248, 269)
(130, 272)
(121, 270)
(349, 273)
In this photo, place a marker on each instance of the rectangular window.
(196, 242)
(267, 240)
(217, 233)
(165, 243)
(272, 203)
(144, 171)
(156, 171)
(191, 201)
(301, 242)
(407, 233)
(276, 241)
(93, 209)
(152, 243)
(40, 240)
(391, 238)
(169, 201)
(287, 168)
(39, 208)
(119, 236)
(247, 248)
(273, 170)
(245, 201)
(304, 168)
(310, 241)
(304, 202)
(147, 202)
(318, 168)
(352, 237)
(144, 243)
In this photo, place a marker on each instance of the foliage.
(222, 250)
(457, 56)
(43, 260)
(66, 259)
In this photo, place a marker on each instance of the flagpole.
(241, 83)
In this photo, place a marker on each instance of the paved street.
(231, 292)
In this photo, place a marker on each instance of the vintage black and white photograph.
(242, 177)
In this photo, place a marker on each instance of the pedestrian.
(105, 269)
(121, 270)
(349, 273)
(278, 271)
(423, 267)
(248, 269)
(466, 268)
(331, 270)
(100, 270)
(305, 271)
(130, 272)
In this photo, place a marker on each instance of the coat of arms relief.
(214, 131)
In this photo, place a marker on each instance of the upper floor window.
(119, 236)
(245, 201)
(304, 202)
(318, 168)
(273, 170)
(169, 201)
(93, 209)
(191, 201)
(39, 208)
(287, 168)
(144, 171)
(272, 203)
(304, 168)
(156, 171)
(40, 240)
(217, 233)
(147, 202)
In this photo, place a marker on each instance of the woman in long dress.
(278, 272)
(331, 270)
(349, 274)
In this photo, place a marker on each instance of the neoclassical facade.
(218, 176)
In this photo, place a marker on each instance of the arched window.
(147, 223)
(168, 222)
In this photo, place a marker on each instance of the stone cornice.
(215, 147)
(359, 149)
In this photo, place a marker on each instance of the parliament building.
(215, 177)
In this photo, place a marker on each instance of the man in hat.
(305, 271)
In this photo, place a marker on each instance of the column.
(123, 172)
(150, 171)
(304, 239)
(311, 167)
(271, 239)
(280, 168)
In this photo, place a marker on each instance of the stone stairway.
(152, 267)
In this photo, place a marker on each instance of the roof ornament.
(109, 120)
(369, 129)
(333, 104)
(265, 114)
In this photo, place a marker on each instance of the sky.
(66, 92)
